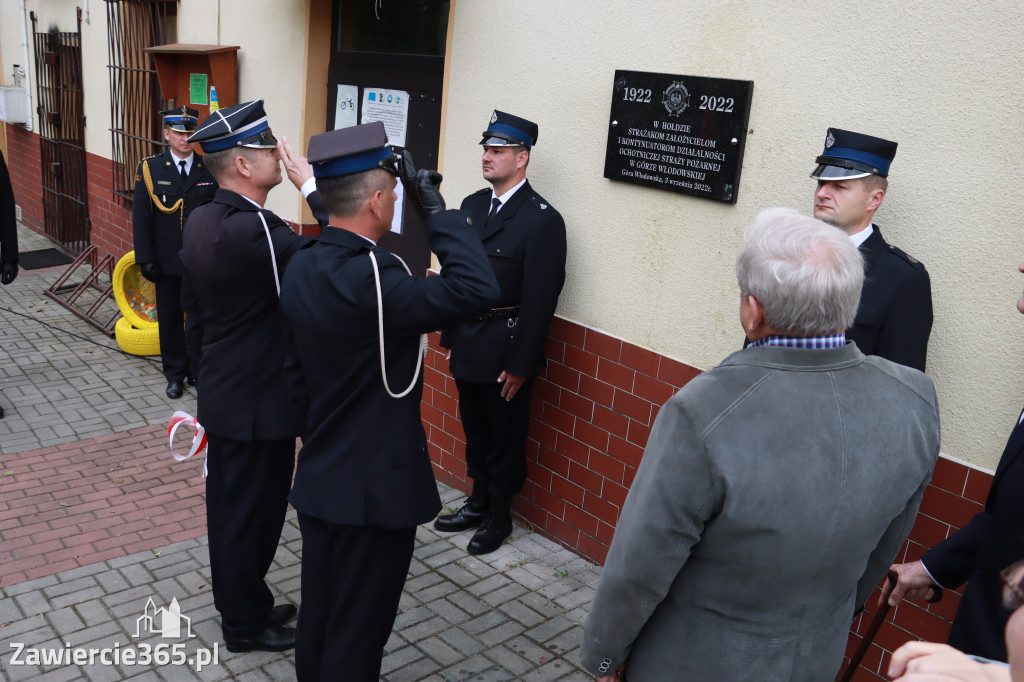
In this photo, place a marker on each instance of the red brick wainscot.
(593, 409)
(957, 492)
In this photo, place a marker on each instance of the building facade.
(650, 297)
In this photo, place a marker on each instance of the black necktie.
(184, 173)
(495, 203)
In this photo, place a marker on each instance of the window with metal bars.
(135, 103)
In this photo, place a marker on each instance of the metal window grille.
(62, 134)
(135, 103)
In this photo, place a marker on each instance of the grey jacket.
(773, 494)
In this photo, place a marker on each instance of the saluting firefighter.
(167, 187)
(235, 255)
(494, 356)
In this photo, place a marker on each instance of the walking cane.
(876, 623)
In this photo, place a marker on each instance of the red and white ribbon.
(198, 440)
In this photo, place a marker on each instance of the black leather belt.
(509, 313)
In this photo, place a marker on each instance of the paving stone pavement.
(61, 379)
(515, 614)
(96, 519)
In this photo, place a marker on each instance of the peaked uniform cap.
(351, 150)
(849, 155)
(183, 119)
(243, 125)
(506, 130)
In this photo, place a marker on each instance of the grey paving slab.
(447, 627)
(61, 379)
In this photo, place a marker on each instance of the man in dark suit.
(8, 232)
(895, 315)
(495, 355)
(357, 324)
(168, 186)
(976, 554)
(234, 255)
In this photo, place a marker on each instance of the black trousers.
(496, 432)
(173, 352)
(246, 500)
(352, 580)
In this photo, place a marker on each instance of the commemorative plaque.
(680, 133)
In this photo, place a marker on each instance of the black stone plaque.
(681, 133)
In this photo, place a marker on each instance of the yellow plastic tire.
(135, 295)
(136, 341)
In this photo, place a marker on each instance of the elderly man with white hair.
(775, 488)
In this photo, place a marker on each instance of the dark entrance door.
(400, 46)
(62, 135)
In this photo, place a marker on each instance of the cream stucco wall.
(270, 63)
(656, 268)
(62, 15)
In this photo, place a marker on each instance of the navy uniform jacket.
(364, 459)
(8, 224)
(229, 285)
(976, 553)
(525, 244)
(157, 235)
(894, 319)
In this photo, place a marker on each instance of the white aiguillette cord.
(179, 418)
(380, 316)
(273, 258)
(380, 329)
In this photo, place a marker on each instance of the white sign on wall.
(390, 107)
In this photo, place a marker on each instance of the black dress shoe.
(470, 516)
(491, 534)
(282, 614)
(174, 389)
(274, 638)
(190, 381)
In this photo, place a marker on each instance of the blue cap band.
(352, 164)
(231, 139)
(511, 131)
(872, 160)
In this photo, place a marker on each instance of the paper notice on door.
(345, 108)
(396, 222)
(391, 107)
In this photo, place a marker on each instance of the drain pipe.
(24, 58)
